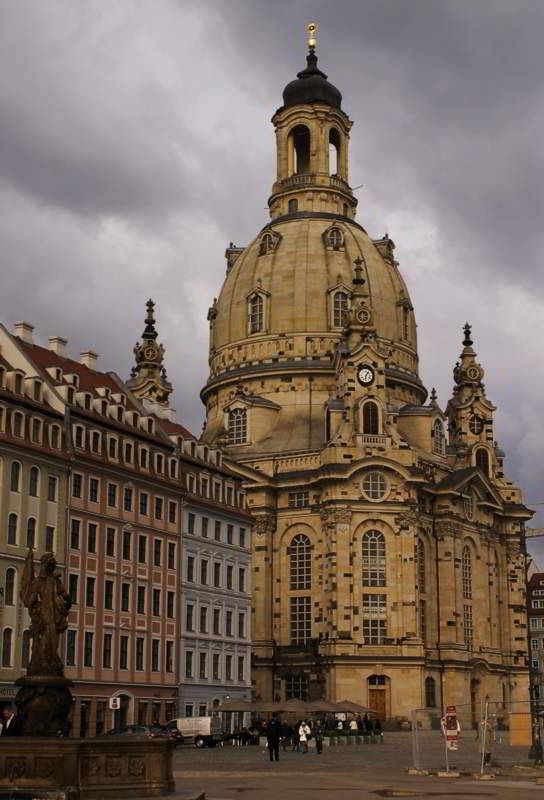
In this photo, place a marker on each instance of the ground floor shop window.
(84, 715)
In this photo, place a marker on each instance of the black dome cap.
(311, 86)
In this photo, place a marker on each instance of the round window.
(374, 485)
(476, 425)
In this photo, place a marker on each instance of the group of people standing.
(296, 736)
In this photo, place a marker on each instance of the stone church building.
(387, 559)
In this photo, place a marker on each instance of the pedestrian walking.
(303, 733)
(353, 726)
(318, 733)
(273, 733)
(296, 738)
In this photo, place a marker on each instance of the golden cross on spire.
(313, 28)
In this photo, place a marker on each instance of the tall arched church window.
(371, 418)
(466, 564)
(482, 460)
(439, 438)
(299, 155)
(430, 693)
(340, 308)
(334, 152)
(238, 426)
(300, 562)
(7, 638)
(33, 482)
(256, 313)
(373, 558)
(334, 238)
(9, 590)
(15, 477)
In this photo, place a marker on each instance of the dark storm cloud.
(135, 142)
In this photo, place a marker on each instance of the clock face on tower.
(365, 375)
(150, 353)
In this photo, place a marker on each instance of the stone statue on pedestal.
(44, 699)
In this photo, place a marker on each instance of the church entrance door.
(377, 695)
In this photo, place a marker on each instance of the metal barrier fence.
(483, 737)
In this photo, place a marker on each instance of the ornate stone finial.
(149, 330)
(313, 27)
(467, 341)
(434, 396)
(358, 269)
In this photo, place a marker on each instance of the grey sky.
(135, 143)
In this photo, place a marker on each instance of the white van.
(202, 731)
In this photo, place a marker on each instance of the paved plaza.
(355, 771)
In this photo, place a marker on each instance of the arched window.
(334, 238)
(12, 529)
(430, 693)
(9, 591)
(26, 649)
(300, 562)
(238, 426)
(267, 244)
(33, 482)
(466, 562)
(334, 152)
(6, 647)
(373, 559)
(256, 313)
(340, 307)
(300, 150)
(31, 532)
(439, 438)
(292, 206)
(482, 460)
(371, 418)
(15, 476)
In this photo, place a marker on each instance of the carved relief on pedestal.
(136, 766)
(90, 767)
(44, 767)
(264, 524)
(113, 767)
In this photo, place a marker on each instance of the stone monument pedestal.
(43, 704)
(85, 769)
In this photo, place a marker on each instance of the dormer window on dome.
(257, 311)
(334, 238)
(269, 242)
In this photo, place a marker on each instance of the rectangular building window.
(49, 539)
(169, 656)
(171, 555)
(155, 651)
(468, 630)
(110, 542)
(228, 627)
(144, 503)
(189, 618)
(215, 667)
(188, 673)
(123, 652)
(91, 537)
(230, 573)
(170, 605)
(125, 596)
(142, 549)
(140, 600)
(172, 511)
(217, 621)
(300, 619)
(112, 495)
(52, 489)
(202, 666)
(126, 545)
(299, 499)
(217, 574)
(241, 579)
(217, 531)
(93, 490)
(204, 572)
(71, 648)
(72, 588)
(106, 651)
(190, 569)
(228, 668)
(159, 502)
(190, 523)
(139, 653)
(127, 499)
(241, 668)
(204, 527)
(241, 625)
(157, 552)
(230, 534)
(77, 484)
(203, 619)
(374, 618)
(88, 649)
(89, 593)
(108, 595)
(74, 534)
(242, 537)
(156, 602)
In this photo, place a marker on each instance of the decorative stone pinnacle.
(434, 396)
(467, 341)
(149, 330)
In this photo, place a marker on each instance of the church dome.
(311, 86)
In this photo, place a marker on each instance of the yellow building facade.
(387, 558)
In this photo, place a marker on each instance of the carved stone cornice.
(264, 523)
(406, 518)
(333, 515)
(445, 528)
